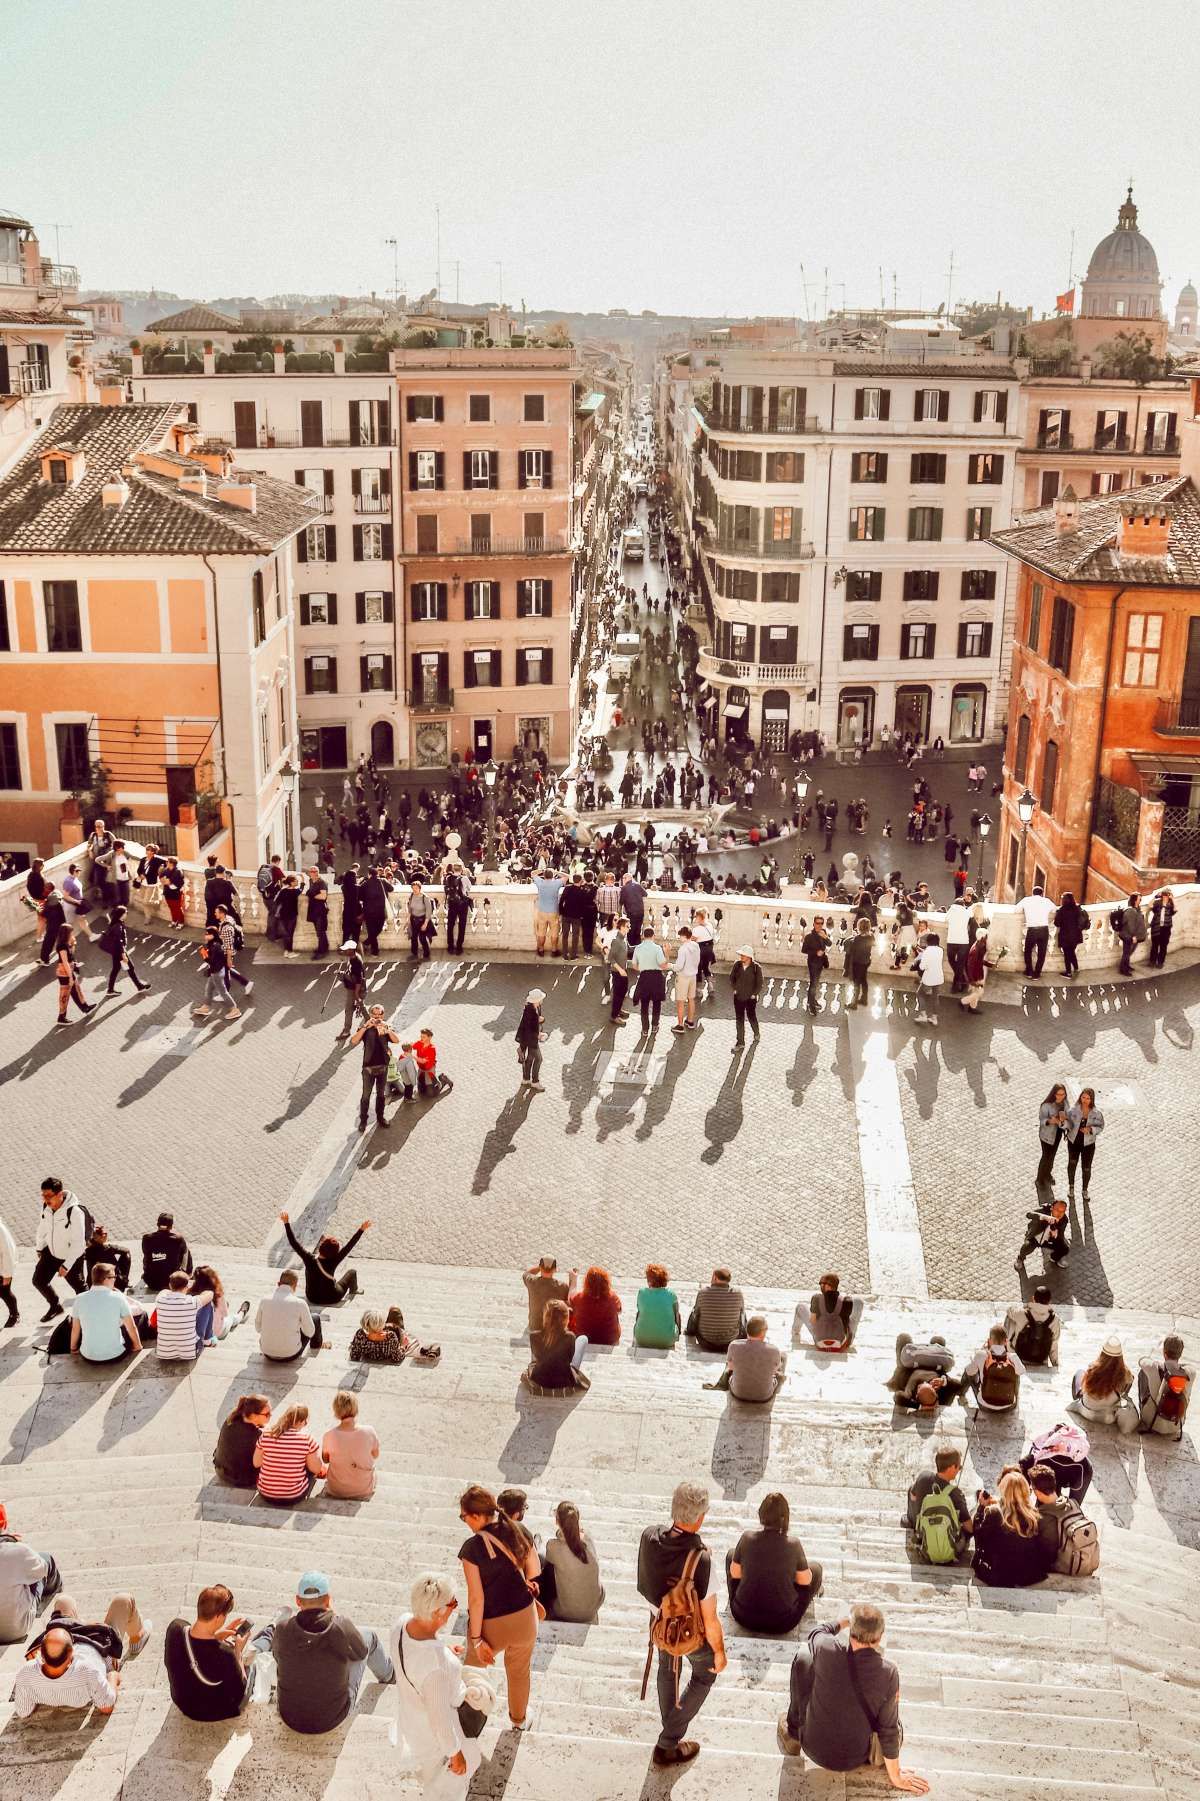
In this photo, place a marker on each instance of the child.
(402, 1073)
(887, 828)
(425, 1052)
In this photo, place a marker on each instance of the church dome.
(1122, 279)
(1188, 296)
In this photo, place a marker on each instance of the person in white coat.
(62, 1231)
(8, 1269)
(430, 1686)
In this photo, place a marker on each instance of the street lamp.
(985, 826)
(289, 778)
(490, 772)
(1026, 808)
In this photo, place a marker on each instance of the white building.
(38, 336)
(842, 514)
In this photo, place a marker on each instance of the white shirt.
(85, 1684)
(177, 1324)
(426, 1731)
(687, 958)
(62, 1230)
(957, 920)
(280, 1320)
(1037, 911)
(931, 966)
(8, 1253)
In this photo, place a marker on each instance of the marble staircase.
(1074, 1690)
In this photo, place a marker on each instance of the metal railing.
(764, 427)
(419, 701)
(1055, 440)
(793, 550)
(1168, 447)
(58, 275)
(1111, 443)
(272, 437)
(32, 378)
(511, 547)
(1179, 717)
(364, 503)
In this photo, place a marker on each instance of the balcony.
(762, 428)
(1111, 443)
(422, 700)
(364, 504)
(1161, 447)
(1179, 718)
(31, 378)
(755, 675)
(554, 546)
(791, 550)
(1055, 440)
(55, 278)
(271, 437)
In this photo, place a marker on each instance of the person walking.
(1037, 912)
(1052, 1123)
(814, 948)
(287, 912)
(745, 979)
(114, 940)
(930, 974)
(1071, 924)
(75, 906)
(1162, 921)
(617, 963)
(670, 1559)
(8, 1270)
(1085, 1122)
(52, 915)
(500, 1566)
(1129, 923)
(456, 886)
(232, 941)
(530, 1037)
(216, 976)
(687, 970)
(61, 1238)
(67, 971)
(649, 961)
(375, 1035)
(858, 963)
(420, 928)
(317, 896)
(431, 1732)
(353, 976)
(173, 883)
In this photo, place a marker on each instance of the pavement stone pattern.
(754, 1161)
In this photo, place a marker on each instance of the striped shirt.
(177, 1324)
(283, 1476)
(84, 1684)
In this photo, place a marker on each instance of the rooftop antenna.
(950, 283)
(882, 294)
(500, 267)
(457, 274)
(1071, 261)
(825, 303)
(895, 302)
(804, 285)
(438, 215)
(395, 270)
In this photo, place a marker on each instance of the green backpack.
(938, 1529)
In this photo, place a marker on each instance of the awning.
(1151, 763)
(734, 712)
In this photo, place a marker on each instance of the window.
(785, 465)
(975, 638)
(1051, 482)
(736, 584)
(534, 599)
(739, 465)
(318, 609)
(985, 466)
(427, 532)
(920, 584)
(924, 525)
(373, 607)
(1160, 431)
(535, 528)
(782, 525)
(778, 585)
(259, 606)
(481, 669)
(316, 546)
(5, 639)
(534, 667)
(1021, 758)
(1110, 429)
(317, 481)
(991, 404)
(264, 739)
(864, 584)
(777, 644)
(1062, 631)
(74, 756)
(370, 422)
(423, 468)
(425, 409)
(375, 671)
(477, 468)
(872, 403)
(979, 524)
(481, 531)
(10, 759)
(58, 471)
(860, 643)
(978, 584)
(785, 409)
(916, 640)
(533, 469)
(1034, 633)
(932, 404)
(370, 487)
(1108, 481)
(869, 466)
(320, 675)
(927, 466)
(866, 524)
(63, 630)
(1049, 776)
(428, 601)
(372, 543)
(535, 409)
(479, 408)
(1143, 642)
(737, 527)
(481, 600)
(281, 696)
(1054, 429)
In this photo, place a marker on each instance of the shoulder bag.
(531, 1586)
(875, 1756)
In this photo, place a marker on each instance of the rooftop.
(36, 516)
(1089, 554)
(196, 318)
(48, 315)
(966, 367)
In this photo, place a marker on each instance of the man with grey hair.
(665, 1553)
(844, 1694)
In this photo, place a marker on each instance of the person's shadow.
(527, 1451)
(500, 1140)
(726, 1116)
(739, 1453)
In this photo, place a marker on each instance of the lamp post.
(490, 772)
(985, 826)
(1026, 808)
(289, 777)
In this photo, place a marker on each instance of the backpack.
(927, 1357)
(1032, 1343)
(678, 1626)
(89, 1223)
(239, 937)
(1078, 1543)
(1170, 1405)
(999, 1382)
(1139, 925)
(1063, 1440)
(938, 1528)
(263, 878)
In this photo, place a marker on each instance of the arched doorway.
(775, 715)
(912, 711)
(383, 743)
(856, 716)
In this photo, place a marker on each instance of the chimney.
(210, 359)
(182, 434)
(115, 491)
(1066, 510)
(278, 358)
(339, 356)
(194, 480)
(238, 491)
(1145, 529)
(217, 458)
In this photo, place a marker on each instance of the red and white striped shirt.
(283, 1476)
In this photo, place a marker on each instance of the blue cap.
(313, 1586)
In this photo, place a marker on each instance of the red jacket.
(598, 1320)
(426, 1055)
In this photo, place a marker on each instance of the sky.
(752, 157)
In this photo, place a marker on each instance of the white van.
(633, 545)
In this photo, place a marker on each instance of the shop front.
(856, 717)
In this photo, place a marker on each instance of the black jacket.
(321, 1287)
(116, 1254)
(163, 1252)
(374, 895)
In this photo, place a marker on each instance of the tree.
(1128, 357)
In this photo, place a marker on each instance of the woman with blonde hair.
(1099, 1390)
(434, 1732)
(1010, 1550)
(288, 1459)
(350, 1452)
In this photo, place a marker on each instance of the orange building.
(1104, 709)
(146, 636)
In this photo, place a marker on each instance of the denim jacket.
(1075, 1120)
(1046, 1113)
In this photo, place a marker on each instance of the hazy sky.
(672, 154)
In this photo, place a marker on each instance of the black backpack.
(1033, 1342)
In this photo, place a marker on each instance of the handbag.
(471, 1719)
(875, 1756)
(1128, 1417)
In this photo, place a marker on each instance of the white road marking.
(895, 1253)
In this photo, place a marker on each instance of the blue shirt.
(648, 955)
(549, 887)
(100, 1312)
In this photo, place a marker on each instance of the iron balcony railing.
(420, 700)
(1179, 717)
(272, 437)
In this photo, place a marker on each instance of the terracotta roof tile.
(1089, 554)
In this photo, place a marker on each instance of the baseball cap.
(313, 1586)
(349, 945)
(745, 950)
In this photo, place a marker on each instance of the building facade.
(842, 514)
(1104, 725)
(1096, 434)
(1122, 280)
(146, 637)
(41, 339)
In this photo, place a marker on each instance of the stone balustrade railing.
(502, 919)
